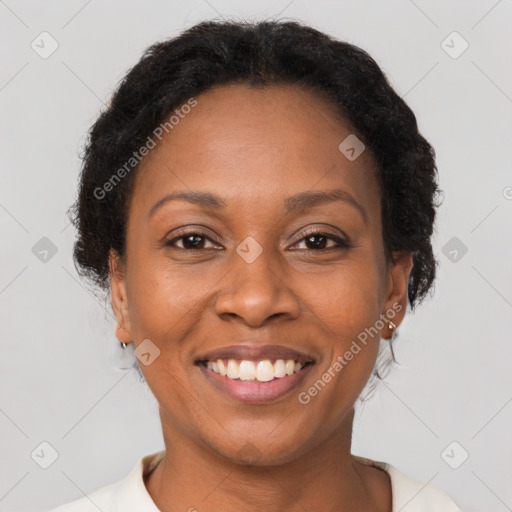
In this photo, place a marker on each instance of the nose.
(256, 292)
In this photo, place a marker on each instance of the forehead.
(256, 144)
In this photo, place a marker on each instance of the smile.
(255, 373)
(262, 371)
(252, 389)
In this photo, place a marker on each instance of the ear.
(119, 297)
(395, 305)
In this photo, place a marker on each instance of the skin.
(255, 148)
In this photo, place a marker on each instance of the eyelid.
(341, 240)
(323, 231)
(190, 230)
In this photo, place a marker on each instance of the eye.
(190, 241)
(319, 240)
(314, 241)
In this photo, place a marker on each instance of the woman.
(259, 204)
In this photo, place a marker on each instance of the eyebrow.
(300, 201)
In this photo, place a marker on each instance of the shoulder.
(129, 493)
(410, 494)
(103, 499)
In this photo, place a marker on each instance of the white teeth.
(233, 370)
(265, 371)
(280, 368)
(262, 371)
(290, 366)
(247, 370)
(222, 367)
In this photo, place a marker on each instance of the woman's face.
(247, 272)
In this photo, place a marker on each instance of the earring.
(122, 358)
(391, 327)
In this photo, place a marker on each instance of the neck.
(193, 477)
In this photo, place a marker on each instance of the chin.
(260, 450)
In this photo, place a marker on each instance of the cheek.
(347, 307)
(164, 301)
(165, 305)
(170, 304)
(346, 300)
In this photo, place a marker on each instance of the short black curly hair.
(262, 53)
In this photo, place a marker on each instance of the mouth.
(255, 374)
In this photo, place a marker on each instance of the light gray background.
(57, 385)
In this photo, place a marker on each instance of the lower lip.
(255, 391)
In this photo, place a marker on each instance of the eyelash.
(341, 243)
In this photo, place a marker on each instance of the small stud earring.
(391, 327)
(122, 358)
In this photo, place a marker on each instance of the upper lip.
(255, 353)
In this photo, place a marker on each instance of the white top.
(130, 493)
